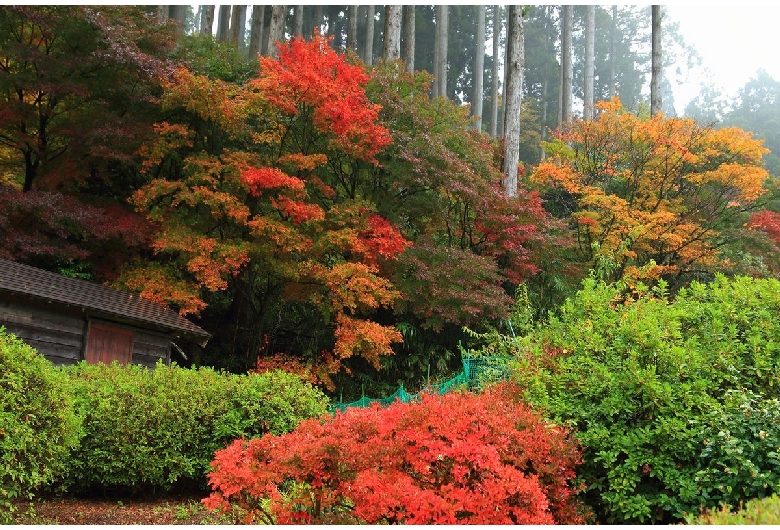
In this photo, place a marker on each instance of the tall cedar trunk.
(352, 30)
(440, 51)
(207, 24)
(545, 81)
(407, 42)
(479, 69)
(331, 15)
(612, 52)
(256, 32)
(235, 25)
(162, 14)
(242, 31)
(567, 65)
(514, 94)
(369, 57)
(656, 72)
(178, 13)
(496, 57)
(276, 30)
(318, 19)
(223, 25)
(391, 48)
(590, 60)
(298, 22)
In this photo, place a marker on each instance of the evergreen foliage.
(675, 401)
(160, 428)
(37, 424)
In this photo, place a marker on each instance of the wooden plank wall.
(59, 337)
(56, 336)
(148, 348)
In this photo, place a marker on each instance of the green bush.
(755, 512)
(741, 441)
(670, 398)
(159, 428)
(37, 425)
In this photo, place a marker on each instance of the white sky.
(734, 41)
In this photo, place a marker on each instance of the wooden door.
(107, 343)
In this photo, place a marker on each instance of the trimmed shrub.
(159, 428)
(37, 425)
(756, 512)
(454, 459)
(674, 401)
(741, 440)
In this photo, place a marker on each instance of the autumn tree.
(652, 197)
(77, 89)
(472, 244)
(257, 194)
(69, 78)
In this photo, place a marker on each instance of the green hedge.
(674, 400)
(160, 428)
(37, 425)
(758, 511)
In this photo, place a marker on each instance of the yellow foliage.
(653, 189)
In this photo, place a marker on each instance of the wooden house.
(68, 320)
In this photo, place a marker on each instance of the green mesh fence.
(476, 372)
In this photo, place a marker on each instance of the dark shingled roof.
(44, 285)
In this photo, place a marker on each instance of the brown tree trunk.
(276, 30)
(256, 31)
(479, 69)
(317, 26)
(369, 58)
(590, 60)
(223, 24)
(407, 44)
(162, 14)
(391, 48)
(440, 51)
(567, 65)
(298, 22)
(496, 58)
(514, 94)
(352, 28)
(656, 71)
(207, 24)
(235, 25)
(612, 52)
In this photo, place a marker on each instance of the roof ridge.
(39, 283)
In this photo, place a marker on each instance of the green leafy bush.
(37, 425)
(741, 444)
(755, 512)
(670, 398)
(159, 428)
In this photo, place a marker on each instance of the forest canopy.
(324, 197)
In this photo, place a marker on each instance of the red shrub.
(454, 459)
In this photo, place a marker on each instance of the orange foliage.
(263, 203)
(364, 338)
(657, 189)
(159, 285)
(312, 77)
